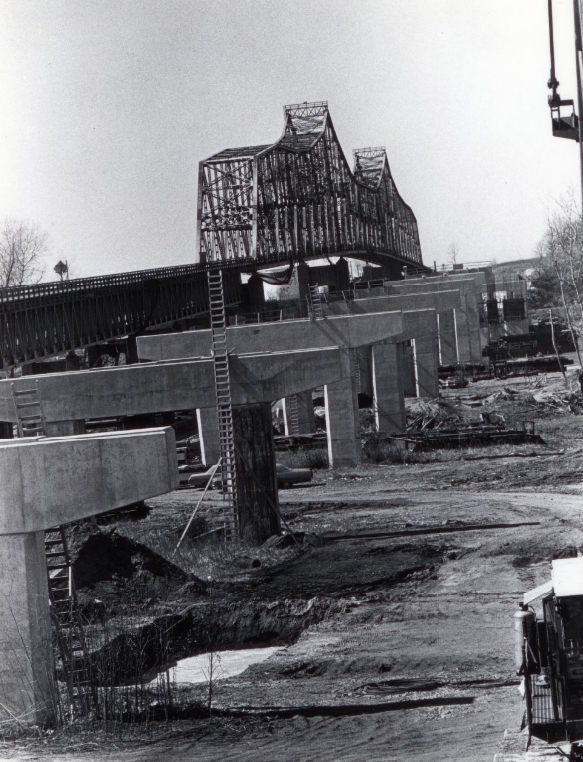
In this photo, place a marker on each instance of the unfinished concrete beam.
(64, 428)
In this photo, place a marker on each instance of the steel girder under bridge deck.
(298, 199)
(50, 318)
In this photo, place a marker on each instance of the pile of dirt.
(99, 555)
(121, 574)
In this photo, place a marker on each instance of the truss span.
(299, 199)
(51, 318)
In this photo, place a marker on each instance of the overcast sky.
(107, 106)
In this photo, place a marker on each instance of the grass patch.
(316, 458)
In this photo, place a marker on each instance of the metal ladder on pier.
(65, 616)
(314, 303)
(29, 412)
(293, 421)
(66, 621)
(224, 403)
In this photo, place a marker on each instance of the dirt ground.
(396, 612)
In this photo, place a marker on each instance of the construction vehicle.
(549, 654)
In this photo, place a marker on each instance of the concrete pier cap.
(47, 482)
(345, 331)
(174, 385)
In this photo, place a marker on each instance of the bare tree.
(22, 248)
(562, 248)
(453, 253)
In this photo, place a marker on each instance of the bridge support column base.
(26, 652)
(447, 338)
(408, 367)
(427, 365)
(257, 496)
(342, 420)
(389, 399)
(306, 420)
(207, 420)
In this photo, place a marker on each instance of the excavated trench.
(267, 607)
(203, 628)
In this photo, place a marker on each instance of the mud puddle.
(219, 665)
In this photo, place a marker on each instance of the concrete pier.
(257, 493)
(207, 419)
(39, 489)
(346, 332)
(26, 649)
(448, 349)
(389, 402)
(471, 286)
(410, 387)
(426, 364)
(305, 412)
(342, 420)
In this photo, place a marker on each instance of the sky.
(107, 107)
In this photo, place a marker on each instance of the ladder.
(29, 413)
(66, 620)
(292, 416)
(314, 303)
(358, 372)
(64, 609)
(224, 404)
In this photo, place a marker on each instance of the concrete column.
(303, 278)
(448, 353)
(342, 421)
(468, 330)
(26, 652)
(427, 363)
(306, 420)
(255, 291)
(64, 428)
(364, 359)
(409, 372)
(257, 496)
(207, 420)
(389, 398)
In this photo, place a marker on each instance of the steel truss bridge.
(298, 199)
(266, 205)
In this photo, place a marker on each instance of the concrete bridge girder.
(158, 387)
